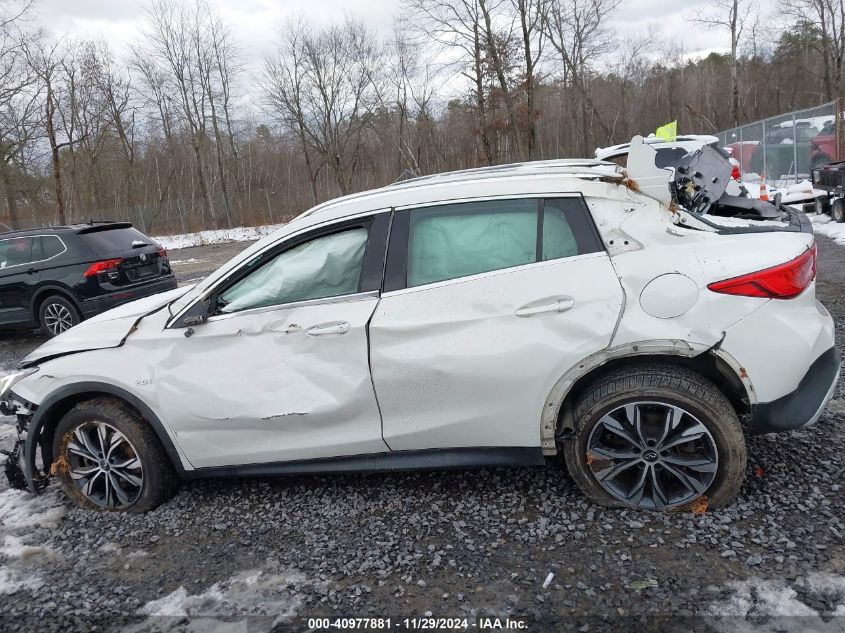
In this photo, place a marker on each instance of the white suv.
(488, 317)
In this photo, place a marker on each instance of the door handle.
(31, 271)
(558, 304)
(338, 327)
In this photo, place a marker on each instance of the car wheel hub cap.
(104, 465)
(57, 318)
(652, 455)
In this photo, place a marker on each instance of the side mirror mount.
(197, 314)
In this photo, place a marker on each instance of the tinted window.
(51, 246)
(16, 251)
(112, 240)
(328, 266)
(457, 240)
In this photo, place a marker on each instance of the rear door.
(20, 270)
(485, 306)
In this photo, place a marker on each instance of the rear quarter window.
(51, 246)
(113, 240)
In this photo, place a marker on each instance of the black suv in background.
(57, 276)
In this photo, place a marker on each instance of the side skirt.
(429, 459)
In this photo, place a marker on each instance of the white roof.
(562, 175)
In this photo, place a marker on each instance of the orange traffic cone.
(764, 191)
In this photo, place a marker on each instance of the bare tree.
(170, 44)
(331, 93)
(19, 94)
(458, 27)
(732, 15)
(576, 29)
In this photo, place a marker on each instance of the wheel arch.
(712, 363)
(48, 414)
(43, 292)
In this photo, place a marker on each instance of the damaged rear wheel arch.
(49, 413)
(707, 365)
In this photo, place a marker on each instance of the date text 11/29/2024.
(424, 623)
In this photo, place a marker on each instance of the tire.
(837, 210)
(822, 205)
(56, 314)
(138, 476)
(658, 389)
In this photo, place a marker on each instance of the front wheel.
(656, 437)
(107, 457)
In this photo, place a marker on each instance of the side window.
(51, 246)
(328, 266)
(463, 239)
(15, 251)
(568, 229)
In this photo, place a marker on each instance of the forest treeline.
(186, 131)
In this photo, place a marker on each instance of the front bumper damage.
(20, 467)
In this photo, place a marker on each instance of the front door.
(280, 370)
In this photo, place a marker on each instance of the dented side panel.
(274, 385)
(469, 362)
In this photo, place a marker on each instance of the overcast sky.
(254, 22)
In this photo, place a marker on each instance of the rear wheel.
(822, 205)
(837, 210)
(57, 314)
(108, 458)
(656, 437)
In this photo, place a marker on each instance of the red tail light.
(101, 267)
(735, 173)
(162, 253)
(783, 281)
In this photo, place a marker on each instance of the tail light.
(101, 267)
(162, 253)
(735, 172)
(783, 281)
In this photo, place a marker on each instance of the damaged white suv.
(639, 321)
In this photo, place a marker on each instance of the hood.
(108, 329)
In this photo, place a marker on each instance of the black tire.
(57, 314)
(654, 385)
(822, 205)
(155, 471)
(837, 210)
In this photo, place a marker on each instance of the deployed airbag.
(328, 266)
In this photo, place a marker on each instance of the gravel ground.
(520, 542)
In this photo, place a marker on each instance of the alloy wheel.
(104, 465)
(57, 318)
(652, 455)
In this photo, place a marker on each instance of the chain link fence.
(784, 149)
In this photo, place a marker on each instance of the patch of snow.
(774, 605)
(253, 592)
(790, 193)
(109, 547)
(12, 581)
(217, 236)
(15, 547)
(137, 554)
(824, 225)
(190, 260)
(19, 509)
